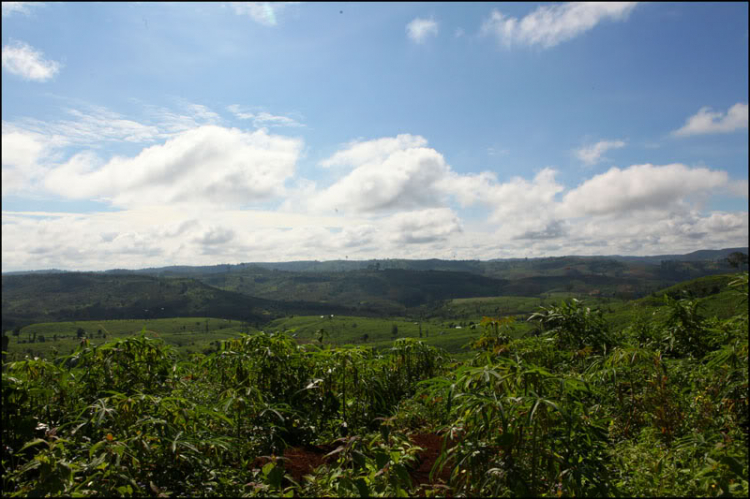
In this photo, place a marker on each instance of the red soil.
(432, 445)
(301, 461)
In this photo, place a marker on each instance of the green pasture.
(450, 335)
(187, 334)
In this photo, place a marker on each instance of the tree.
(737, 259)
(6, 342)
(394, 331)
(80, 333)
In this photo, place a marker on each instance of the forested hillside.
(86, 296)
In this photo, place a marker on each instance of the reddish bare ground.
(301, 461)
(432, 444)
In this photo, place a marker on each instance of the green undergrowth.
(576, 405)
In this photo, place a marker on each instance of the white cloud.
(21, 149)
(265, 13)
(187, 235)
(706, 121)
(263, 119)
(19, 7)
(551, 25)
(359, 153)
(520, 201)
(22, 154)
(209, 164)
(93, 126)
(593, 154)
(423, 226)
(388, 174)
(420, 29)
(23, 60)
(185, 201)
(641, 187)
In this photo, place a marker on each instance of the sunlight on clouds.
(388, 174)
(208, 164)
(639, 187)
(359, 153)
(184, 202)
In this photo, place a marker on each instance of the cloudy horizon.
(282, 132)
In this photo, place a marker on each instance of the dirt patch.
(432, 445)
(302, 461)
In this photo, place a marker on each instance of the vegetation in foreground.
(656, 407)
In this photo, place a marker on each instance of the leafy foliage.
(658, 407)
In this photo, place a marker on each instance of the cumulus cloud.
(209, 164)
(420, 29)
(518, 204)
(159, 235)
(388, 174)
(186, 201)
(265, 13)
(373, 151)
(640, 187)
(552, 230)
(548, 26)
(21, 59)
(22, 153)
(213, 236)
(707, 121)
(423, 226)
(135, 238)
(594, 154)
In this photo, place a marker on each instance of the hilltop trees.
(737, 259)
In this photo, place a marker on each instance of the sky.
(146, 134)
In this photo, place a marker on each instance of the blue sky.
(139, 135)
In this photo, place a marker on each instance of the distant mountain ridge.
(258, 292)
(474, 266)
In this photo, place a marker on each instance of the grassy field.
(452, 328)
(500, 306)
(187, 334)
(378, 333)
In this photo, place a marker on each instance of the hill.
(74, 296)
(257, 293)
